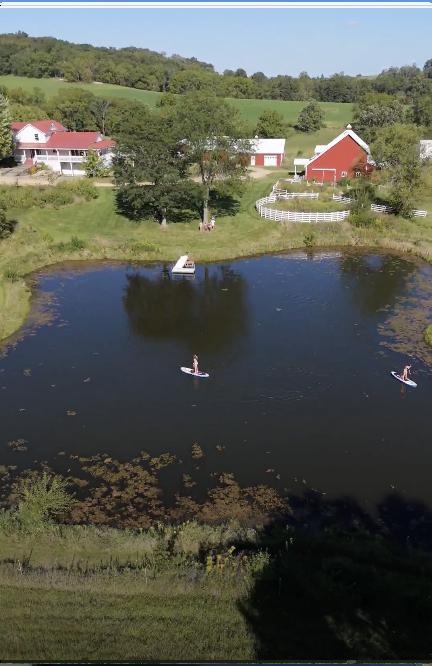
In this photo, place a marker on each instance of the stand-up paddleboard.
(190, 371)
(408, 382)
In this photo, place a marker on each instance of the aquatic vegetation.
(428, 335)
(197, 451)
(18, 445)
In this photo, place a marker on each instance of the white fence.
(381, 208)
(291, 216)
(286, 194)
(341, 198)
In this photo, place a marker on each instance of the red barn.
(267, 152)
(344, 157)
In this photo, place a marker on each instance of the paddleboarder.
(195, 364)
(406, 373)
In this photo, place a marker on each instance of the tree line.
(80, 110)
(46, 57)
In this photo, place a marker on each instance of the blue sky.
(275, 41)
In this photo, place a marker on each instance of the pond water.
(299, 349)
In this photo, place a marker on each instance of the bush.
(77, 243)
(11, 274)
(38, 167)
(363, 218)
(309, 240)
(40, 500)
(6, 226)
(44, 197)
(428, 335)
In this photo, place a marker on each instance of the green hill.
(336, 114)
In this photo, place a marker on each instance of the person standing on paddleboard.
(406, 373)
(195, 364)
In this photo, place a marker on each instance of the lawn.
(88, 593)
(80, 593)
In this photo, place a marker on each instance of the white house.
(48, 142)
(267, 152)
(426, 149)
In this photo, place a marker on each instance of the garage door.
(270, 160)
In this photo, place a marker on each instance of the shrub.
(11, 274)
(77, 243)
(428, 335)
(139, 247)
(309, 240)
(43, 197)
(40, 500)
(363, 218)
(6, 226)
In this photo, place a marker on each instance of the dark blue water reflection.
(300, 393)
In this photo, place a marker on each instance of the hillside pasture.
(336, 115)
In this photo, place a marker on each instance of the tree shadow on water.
(342, 586)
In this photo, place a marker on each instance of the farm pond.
(299, 348)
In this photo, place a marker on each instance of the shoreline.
(25, 290)
(44, 238)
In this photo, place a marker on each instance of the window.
(36, 137)
(344, 174)
(358, 173)
(78, 153)
(39, 152)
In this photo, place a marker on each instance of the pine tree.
(6, 146)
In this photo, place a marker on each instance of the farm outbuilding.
(344, 157)
(267, 152)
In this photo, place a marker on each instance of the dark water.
(299, 350)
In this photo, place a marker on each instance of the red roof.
(100, 145)
(45, 126)
(71, 141)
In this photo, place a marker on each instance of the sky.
(274, 41)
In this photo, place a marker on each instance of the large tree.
(73, 108)
(311, 118)
(368, 119)
(422, 111)
(395, 149)
(6, 146)
(150, 171)
(210, 132)
(271, 124)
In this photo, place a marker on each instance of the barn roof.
(268, 146)
(342, 135)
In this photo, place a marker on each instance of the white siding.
(27, 135)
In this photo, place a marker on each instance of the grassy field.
(44, 236)
(86, 593)
(336, 115)
(78, 593)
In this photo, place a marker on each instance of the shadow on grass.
(343, 586)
